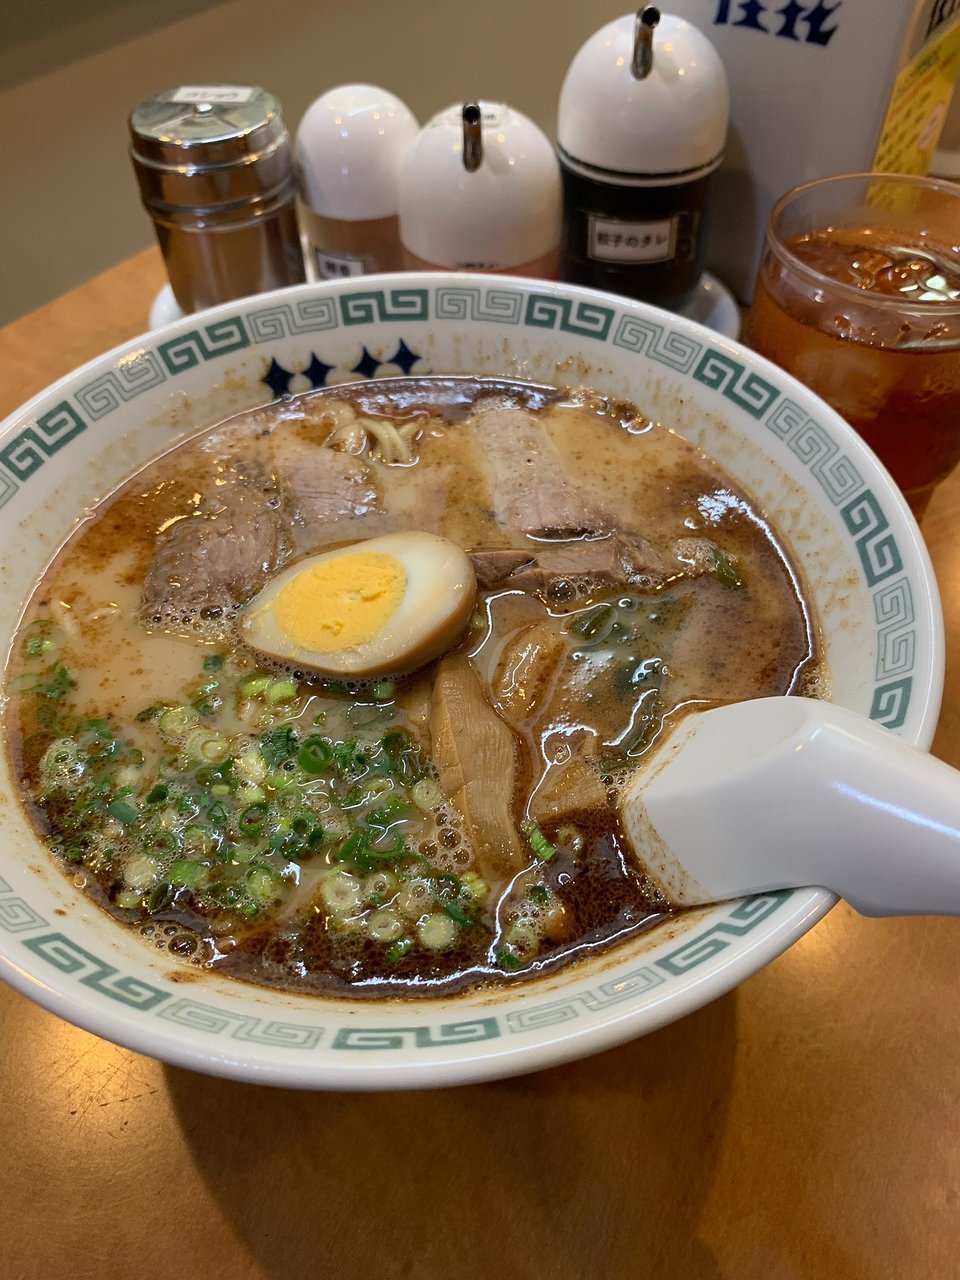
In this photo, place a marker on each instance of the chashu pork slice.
(289, 492)
(318, 484)
(208, 563)
(531, 490)
(623, 560)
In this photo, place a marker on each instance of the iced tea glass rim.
(839, 288)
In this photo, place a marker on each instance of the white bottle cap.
(673, 121)
(503, 213)
(349, 148)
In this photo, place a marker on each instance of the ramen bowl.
(864, 570)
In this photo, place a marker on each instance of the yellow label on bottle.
(918, 106)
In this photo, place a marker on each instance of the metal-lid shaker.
(641, 127)
(216, 176)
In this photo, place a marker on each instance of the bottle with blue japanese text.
(820, 87)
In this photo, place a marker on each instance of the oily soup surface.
(415, 833)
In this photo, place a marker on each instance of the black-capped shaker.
(641, 127)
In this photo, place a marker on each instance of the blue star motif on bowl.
(404, 358)
(317, 371)
(367, 365)
(278, 378)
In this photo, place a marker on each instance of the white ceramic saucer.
(713, 305)
(164, 309)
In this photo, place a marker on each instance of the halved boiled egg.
(376, 608)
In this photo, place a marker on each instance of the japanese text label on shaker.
(480, 191)
(216, 176)
(349, 147)
(641, 128)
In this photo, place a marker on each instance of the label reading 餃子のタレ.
(613, 240)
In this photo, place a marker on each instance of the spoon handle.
(786, 792)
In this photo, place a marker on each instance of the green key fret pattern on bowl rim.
(319, 335)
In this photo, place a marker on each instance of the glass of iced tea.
(858, 296)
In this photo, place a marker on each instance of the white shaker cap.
(504, 213)
(349, 147)
(672, 121)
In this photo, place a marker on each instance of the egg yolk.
(341, 602)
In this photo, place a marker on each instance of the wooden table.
(806, 1125)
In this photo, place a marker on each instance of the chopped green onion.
(395, 742)
(217, 813)
(507, 959)
(725, 571)
(385, 926)
(213, 662)
(415, 897)
(281, 691)
(262, 885)
(59, 682)
(140, 872)
(197, 839)
(426, 794)
(455, 911)
(341, 893)
(214, 749)
(251, 765)
(278, 745)
(123, 812)
(176, 720)
(348, 756)
(61, 757)
(437, 932)
(227, 892)
(161, 895)
(399, 949)
(184, 873)
(210, 775)
(475, 886)
(315, 755)
(252, 818)
(259, 684)
(538, 842)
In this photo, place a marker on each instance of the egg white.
(437, 601)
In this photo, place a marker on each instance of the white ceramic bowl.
(865, 565)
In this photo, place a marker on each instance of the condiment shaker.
(641, 128)
(349, 147)
(216, 176)
(480, 191)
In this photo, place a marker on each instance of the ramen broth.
(417, 834)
